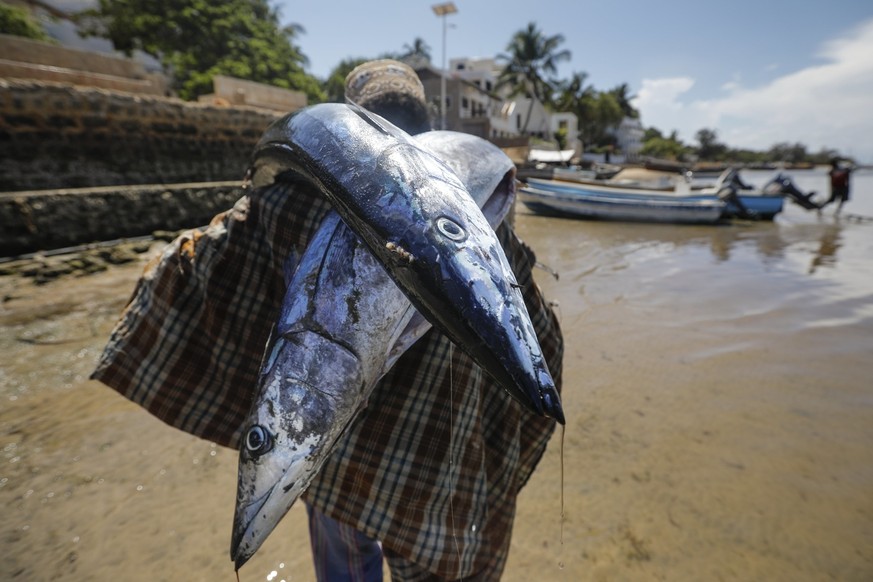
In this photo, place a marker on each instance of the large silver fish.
(417, 218)
(343, 325)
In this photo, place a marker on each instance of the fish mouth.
(240, 551)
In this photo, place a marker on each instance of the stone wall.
(24, 58)
(238, 92)
(32, 221)
(55, 135)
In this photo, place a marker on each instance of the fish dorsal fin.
(382, 125)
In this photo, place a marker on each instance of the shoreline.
(724, 433)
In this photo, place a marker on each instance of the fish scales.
(302, 405)
(342, 325)
(417, 218)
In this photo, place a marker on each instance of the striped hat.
(377, 78)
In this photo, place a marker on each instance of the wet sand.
(717, 390)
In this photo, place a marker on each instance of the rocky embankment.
(43, 267)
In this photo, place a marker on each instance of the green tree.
(824, 156)
(599, 114)
(335, 86)
(665, 148)
(622, 96)
(710, 149)
(418, 48)
(17, 21)
(561, 138)
(652, 133)
(197, 39)
(789, 153)
(570, 93)
(745, 156)
(530, 57)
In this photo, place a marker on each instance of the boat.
(738, 199)
(568, 173)
(669, 209)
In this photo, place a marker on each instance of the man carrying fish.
(432, 464)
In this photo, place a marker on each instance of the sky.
(757, 72)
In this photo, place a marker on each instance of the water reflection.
(830, 242)
(793, 236)
(769, 243)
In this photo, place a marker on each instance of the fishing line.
(561, 551)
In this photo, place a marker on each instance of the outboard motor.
(728, 194)
(783, 184)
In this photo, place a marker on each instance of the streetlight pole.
(443, 10)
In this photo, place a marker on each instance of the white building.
(507, 116)
(629, 137)
(570, 123)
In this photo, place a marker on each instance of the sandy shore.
(715, 432)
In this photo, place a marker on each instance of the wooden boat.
(737, 198)
(669, 209)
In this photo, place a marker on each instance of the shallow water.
(717, 390)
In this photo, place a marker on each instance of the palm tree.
(620, 92)
(571, 92)
(530, 56)
(419, 48)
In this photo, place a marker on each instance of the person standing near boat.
(839, 176)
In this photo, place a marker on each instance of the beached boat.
(738, 200)
(670, 209)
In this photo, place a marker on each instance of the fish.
(342, 326)
(418, 219)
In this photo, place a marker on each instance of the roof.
(550, 156)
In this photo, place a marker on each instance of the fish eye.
(258, 441)
(450, 229)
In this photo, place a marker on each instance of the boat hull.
(762, 205)
(602, 207)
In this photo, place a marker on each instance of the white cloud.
(827, 104)
(663, 92)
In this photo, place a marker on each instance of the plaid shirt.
(431, 467)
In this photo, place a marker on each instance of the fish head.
(462, 280)
(302, 406)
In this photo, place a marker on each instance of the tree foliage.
(17, 21)
(710, 149)
(599, 116)
(622, 96)
(598, 112)
(530, 58)
(198, 39)
(570, 93)
(335, 85)
(787, 152)
(665, 148)
(418, 49)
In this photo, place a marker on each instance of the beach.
(716, 387)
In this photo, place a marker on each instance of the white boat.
(739, 200)
(676, 209)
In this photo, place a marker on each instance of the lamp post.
(443, 10)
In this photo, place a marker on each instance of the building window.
(506, 109)
(465, 103)
(487, 85)
(562, 124)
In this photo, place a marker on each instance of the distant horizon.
(756, 74)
